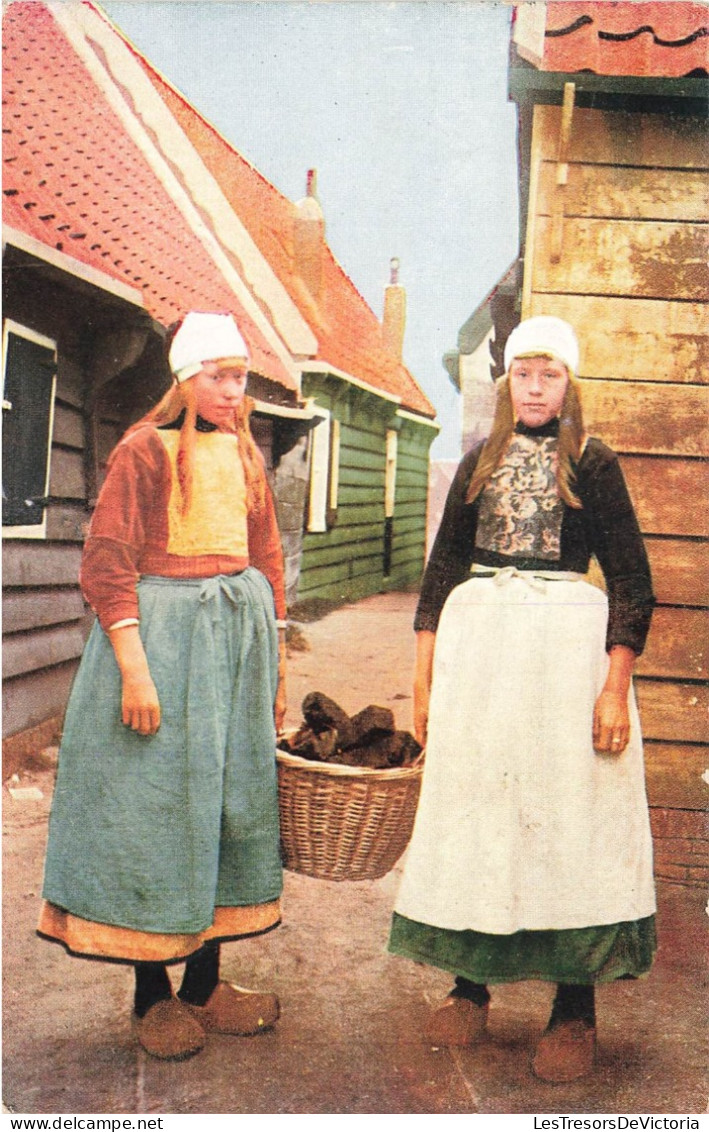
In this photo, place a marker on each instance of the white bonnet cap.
(205, 338)
(543, 334)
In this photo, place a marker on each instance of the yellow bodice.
(216, 521)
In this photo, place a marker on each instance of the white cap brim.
(543, 335)
(205, 337)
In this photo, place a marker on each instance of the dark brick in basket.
(323, 714)
(367, 739)
(346, 814)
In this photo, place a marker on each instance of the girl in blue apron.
(164, 833)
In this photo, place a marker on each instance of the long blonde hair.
(571, 434)
(181, 398)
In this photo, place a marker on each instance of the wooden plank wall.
(346, 562)
(409, 541)
(44, 618)
(44, 629)
(632, 278)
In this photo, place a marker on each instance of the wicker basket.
(344, 822)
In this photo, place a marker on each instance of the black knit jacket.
(606, 528)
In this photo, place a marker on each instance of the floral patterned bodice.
(520, 509)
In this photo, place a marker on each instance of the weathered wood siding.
(284, 448)
(346, 562)
(44, 629)
(44, 618)
(632, 278)
(410, 510)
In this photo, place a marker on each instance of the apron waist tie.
(226, 584)
(234, 587)
(535, 579)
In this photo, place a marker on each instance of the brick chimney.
(309, 237)
(394, 318)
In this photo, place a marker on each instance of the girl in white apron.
(531, 856)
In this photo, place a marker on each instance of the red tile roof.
(664, 39)
(75, 181)
(348, 333)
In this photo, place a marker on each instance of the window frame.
(333, 474)
(324, 476)
(390, 472)
(36, 530)
(319, 473)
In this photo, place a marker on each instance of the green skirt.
(574, 955)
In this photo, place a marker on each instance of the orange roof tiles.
(666, 39)
(348, 333)
(75, 181)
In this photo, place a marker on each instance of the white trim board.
(72, 266)
(324, 368)
(417, 419)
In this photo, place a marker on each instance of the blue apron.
(153, 832)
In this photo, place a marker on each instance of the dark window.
(28, 400)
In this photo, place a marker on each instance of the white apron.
(521, 824)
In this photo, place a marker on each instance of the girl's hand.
(422, 695)
(140, 707)
(423, 676)
(611, 723)
(279, 708)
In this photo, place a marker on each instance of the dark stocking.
(201, 975)
(151, 985)
(573, 1001)
(475, 992)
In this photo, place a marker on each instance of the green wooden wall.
(409, 536)
(346, 562)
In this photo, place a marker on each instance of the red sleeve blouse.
(137, 527)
